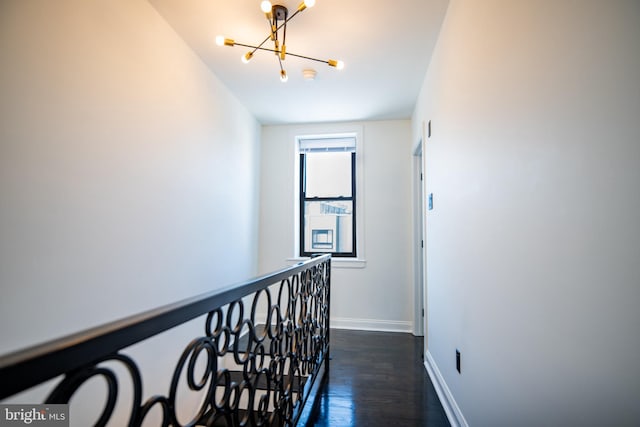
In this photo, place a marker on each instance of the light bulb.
(247, 57)
(337, 64)
(266, 6)
(222, 41)
(283, 76)
(305, 4)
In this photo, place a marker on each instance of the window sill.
(337, 262)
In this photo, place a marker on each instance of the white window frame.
(333, 132)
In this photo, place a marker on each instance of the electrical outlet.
(458, 360)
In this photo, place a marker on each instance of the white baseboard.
(371, 325)
(451, 408)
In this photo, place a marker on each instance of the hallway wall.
(379, 293)
(533, 246)
(128, 172)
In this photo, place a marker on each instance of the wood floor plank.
(377, 379)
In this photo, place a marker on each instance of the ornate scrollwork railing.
(260, 361)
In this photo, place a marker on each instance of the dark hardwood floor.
(377, 379)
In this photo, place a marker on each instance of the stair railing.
(264, 348)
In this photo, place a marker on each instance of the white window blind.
(308, 145)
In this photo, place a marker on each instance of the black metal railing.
(260, 361)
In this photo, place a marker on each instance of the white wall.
(533, 246)
(378, 296)
(128, 172)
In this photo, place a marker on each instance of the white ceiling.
(386, 47)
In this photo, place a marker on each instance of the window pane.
(328, 174)
(328, 226)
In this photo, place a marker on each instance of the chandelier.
(278, 17)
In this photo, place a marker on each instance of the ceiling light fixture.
(278, 17)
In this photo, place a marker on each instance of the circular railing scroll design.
(251, 367)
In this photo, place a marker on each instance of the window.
(328, 196)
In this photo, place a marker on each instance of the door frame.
(419, 214)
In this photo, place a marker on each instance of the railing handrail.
(26, 368)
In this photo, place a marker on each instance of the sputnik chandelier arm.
(277, 17)
(330, 62)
